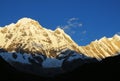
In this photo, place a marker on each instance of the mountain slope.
(28, 36)
(42, 65)
(30, 48)
(106, 70)
(105, 47)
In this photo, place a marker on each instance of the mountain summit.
(102, 48)
(28, 36)
(31, 48)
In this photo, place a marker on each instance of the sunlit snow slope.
(102, 48)
(29, 36)
(31, 48)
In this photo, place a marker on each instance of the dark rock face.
(106, 70)
(14, 55)
(38, 64)
(74, 67)
(72, 60)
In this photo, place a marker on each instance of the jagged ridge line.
(27, 31)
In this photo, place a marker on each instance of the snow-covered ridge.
(29, 47)
(39, 64)
(102, 48)
(28, 36)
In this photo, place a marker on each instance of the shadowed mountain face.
(39, 64)
(30, 52)
(106, 70)
(28, 36)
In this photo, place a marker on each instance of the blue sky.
(83, 20)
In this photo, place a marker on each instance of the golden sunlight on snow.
(29, 36)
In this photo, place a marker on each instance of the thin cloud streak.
(75, 29)
(118, 33)
(71, 23)
(84, 32)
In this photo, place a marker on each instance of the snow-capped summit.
(25, 20)
(28, 36)
(29, 47)
(28, 22)
(102, 48)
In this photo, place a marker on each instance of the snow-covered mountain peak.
(59, 30)
(29, 47)
(102, 48)
(28, 22)
(25, 20)
(116, 36)
(29, 36)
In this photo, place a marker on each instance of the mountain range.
(28, 47)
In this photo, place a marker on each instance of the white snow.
(52, 63)
(29, 34)
(8, 57)
(47, 63)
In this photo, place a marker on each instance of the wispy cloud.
(81, 40)
(75, 28)
(84, 32)
(72, 23)
(118, 33)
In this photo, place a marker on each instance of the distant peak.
(59, 30)
(25, 20)
(102, 48)
(28, 35)
(28, 22)
(116, 35)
